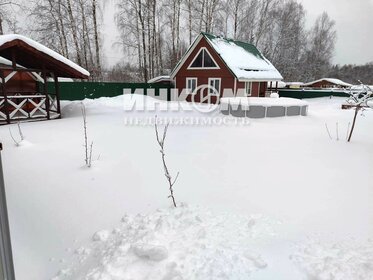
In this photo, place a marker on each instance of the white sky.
(354, 24)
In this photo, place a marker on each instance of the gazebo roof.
(33, 55)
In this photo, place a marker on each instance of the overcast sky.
(354, 24)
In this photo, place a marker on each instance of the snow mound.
(342, 261)
(175, 243)
(102, 235)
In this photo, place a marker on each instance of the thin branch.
(14, 140)
(161, 143)
(327, 129)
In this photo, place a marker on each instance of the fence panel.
(81, 90)
(301, 94)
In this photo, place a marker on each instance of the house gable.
(203, 60)
(185, 68)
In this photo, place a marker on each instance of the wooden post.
(6, 259)
(276, 86)
(14, 63)
(3, 89)
(57, 92)
(45, 92)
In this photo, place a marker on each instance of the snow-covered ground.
(275, 199)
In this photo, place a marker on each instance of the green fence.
(81, 90)
(303, 93)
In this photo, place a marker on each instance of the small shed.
(328, 83)
(26, 67)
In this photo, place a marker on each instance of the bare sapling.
(20, 131)
(337, 131)
(348, 130)
(87, 148)
(327, 130)
(17, 142)
(359, 100)
(161, 143)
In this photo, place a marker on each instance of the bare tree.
(6, 13)
(320, 49)
(161, 142)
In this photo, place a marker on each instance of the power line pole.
(6, 256)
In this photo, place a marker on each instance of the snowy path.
(286, 170)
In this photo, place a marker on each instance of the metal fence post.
(7, 266)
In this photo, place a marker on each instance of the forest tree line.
(154, 34)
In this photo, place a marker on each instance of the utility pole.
(6, 256)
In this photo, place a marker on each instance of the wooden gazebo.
(25, 69)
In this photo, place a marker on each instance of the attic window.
(203, 60)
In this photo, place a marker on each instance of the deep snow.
(313, 192)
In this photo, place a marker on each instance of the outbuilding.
(213, 64)
(26, 67)
(327, 83)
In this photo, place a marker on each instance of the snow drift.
(175, 243)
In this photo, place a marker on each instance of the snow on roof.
(11, 37)
(295, 84)
(280, 84)
(159, 79)
(244, 60)
(330, 80)
(262, 101)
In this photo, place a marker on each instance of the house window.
(191, 84)
(203, 60)
(248, 88)
(214, 86)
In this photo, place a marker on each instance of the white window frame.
(202, 68)
(190, 79)
(251, 88)
(214, 79)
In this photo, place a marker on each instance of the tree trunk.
(1, 26)
(64, 39)
(354, 121)
(97, 43)
(74, 32)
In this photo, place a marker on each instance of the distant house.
(224, 64)
(25, 68)
(328, 83)
(294, 85)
